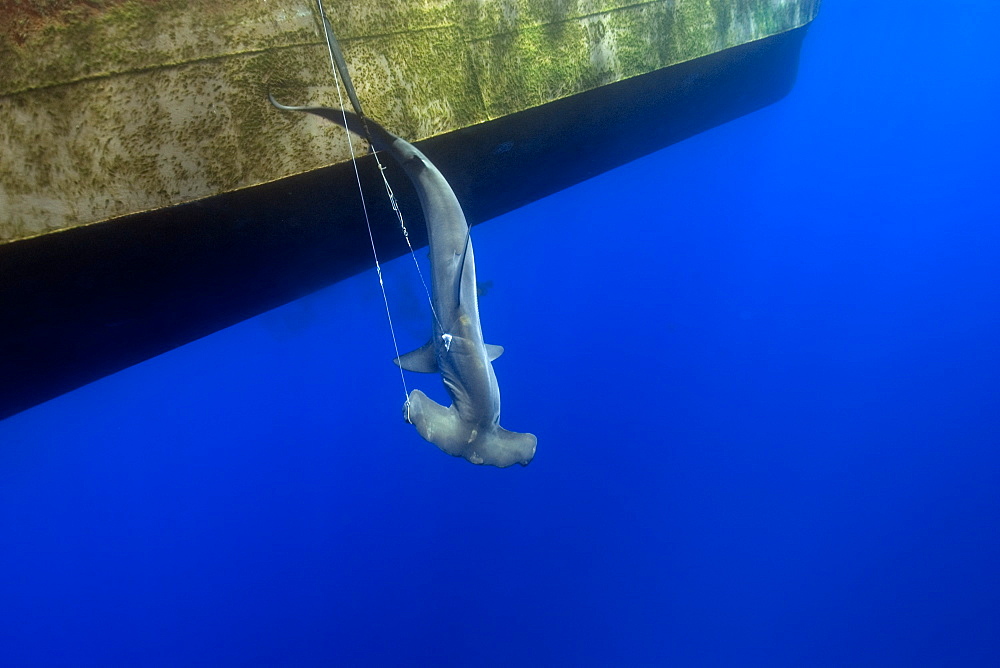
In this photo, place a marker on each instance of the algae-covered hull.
(150, 195)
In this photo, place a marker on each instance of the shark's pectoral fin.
(421, 360)
(493, 351)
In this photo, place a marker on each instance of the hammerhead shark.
(470, 427)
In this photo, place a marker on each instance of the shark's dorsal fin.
(461, 265)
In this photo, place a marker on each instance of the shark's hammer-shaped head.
(490, 444)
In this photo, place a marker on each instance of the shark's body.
(470, 427)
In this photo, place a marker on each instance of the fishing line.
(364, 207)
(338, 64)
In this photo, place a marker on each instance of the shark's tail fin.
(366, 127)
(444, 428)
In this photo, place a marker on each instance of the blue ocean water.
(763, 366)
